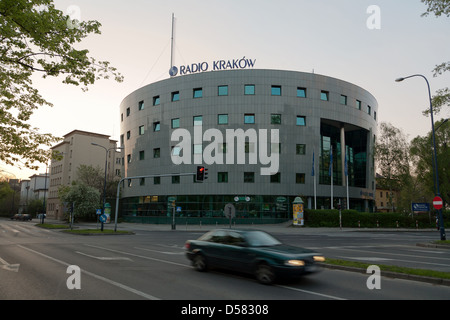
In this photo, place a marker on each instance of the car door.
(236, 255)
(214, 248)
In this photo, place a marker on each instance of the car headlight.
(295, 263)
(319, 258)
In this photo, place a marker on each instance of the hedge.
(355, 219)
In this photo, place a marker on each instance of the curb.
(433, 245)
(390, 274)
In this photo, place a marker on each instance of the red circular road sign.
(438, 203)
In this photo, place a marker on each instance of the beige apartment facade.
(79, 148)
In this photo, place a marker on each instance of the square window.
(249, 118)
(176, 151)
(358, 104)
(141, 105)
(301, 92)
(300, 149)
(175, 96)
(156, 101)
(198, 120)
(301, 121)
(141, 130)
(300, 178)
(222, 119)
(175, 123)
(223, 90)
(156, 153)
(175, 179)
(198, 149)
(156, 180)
(343, 100)
(198, 93)
(156, 126)
(324, 95)
(249, 89)
(249, 147)
(223, 147)
(275, 148)
(222, 177)
(275, 119)
(249, 177)
(276, 178)
(276, 90)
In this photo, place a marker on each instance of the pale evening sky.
(330, 37)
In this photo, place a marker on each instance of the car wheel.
(199, 263)
(264, 274)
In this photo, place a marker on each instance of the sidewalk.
(284, 228)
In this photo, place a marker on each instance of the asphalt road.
(37, 263)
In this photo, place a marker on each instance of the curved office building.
(259, 133)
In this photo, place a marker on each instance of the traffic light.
(202, 174)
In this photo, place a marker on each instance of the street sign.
(420, 207)
(438, 203)
(103, 218)
(229, 210)
(99, 212)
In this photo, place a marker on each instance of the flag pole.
(346, 182)
(331, 174)
(314, 175)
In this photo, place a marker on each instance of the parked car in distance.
(251, 251)
(22, 217)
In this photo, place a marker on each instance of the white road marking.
(114, 283)
(104, 258)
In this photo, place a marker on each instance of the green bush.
(355, 219)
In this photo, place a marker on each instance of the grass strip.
(96, 231)
(52, 226)
(391, 268)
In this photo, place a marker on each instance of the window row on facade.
(250, 90)
(222, 119)
(222, 177)
(249, 147)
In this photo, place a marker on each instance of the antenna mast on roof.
(171, 43)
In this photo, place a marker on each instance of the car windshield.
(261, 239)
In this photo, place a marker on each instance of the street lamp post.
(436, 174)
(104, 182)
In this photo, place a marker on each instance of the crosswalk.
(14, 229)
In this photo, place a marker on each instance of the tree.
(36, 38)
(442, 97)
(85, 199)
(392, 159)
(422, 155)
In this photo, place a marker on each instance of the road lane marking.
(139, 256)
(103, 258)
(10, 267)
(114, 283)
(164, 252)
(311, 292)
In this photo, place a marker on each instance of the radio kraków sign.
(215, 66)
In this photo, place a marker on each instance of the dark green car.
(251, 251)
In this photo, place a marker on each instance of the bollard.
(397, 224)
(378, 225)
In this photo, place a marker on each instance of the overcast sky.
(330, 37)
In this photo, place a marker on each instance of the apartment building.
(79, 148)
